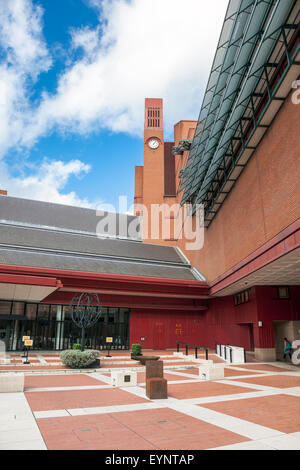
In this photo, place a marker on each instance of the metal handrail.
(195, 346)
(230, 350)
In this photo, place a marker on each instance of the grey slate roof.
(17, 257)
(33, 234)
(47, 214)
(81, 243)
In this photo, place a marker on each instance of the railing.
(193, 346)
(231, 353)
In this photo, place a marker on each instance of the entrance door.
(251, 336)
(282, 329)
(247, 335)
(6, 333)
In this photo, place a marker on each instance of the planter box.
(95, 364)
(211, 372)
(11, 383)
(123, 379)
(178, 354)
(134, 356)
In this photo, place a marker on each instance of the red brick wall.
(223, 322)
(270, 309)
(162, 329)
(138, 188)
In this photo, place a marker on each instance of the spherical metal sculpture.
(85, 308)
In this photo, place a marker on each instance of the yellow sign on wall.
(109, 340)
(28, 342)
(25, 337)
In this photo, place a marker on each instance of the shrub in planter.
(80, 359)
(77, 346)
(136, 350)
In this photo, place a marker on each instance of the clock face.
(153, 144)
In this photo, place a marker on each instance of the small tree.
(86, 312)
(136, 349)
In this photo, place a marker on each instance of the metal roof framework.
(253, 82)
(224, 58)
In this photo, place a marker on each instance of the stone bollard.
(156, 385)
(156, 388)
(154, 369)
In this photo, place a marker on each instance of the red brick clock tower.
(149, 179)
(153, 152)
(155, 181)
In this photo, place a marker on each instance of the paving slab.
(280, 412)
(46, 381)
(278, 381)
(57, 400)
(262, 367)
(145, 429)
(204, 388)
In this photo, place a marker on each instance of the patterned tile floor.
(255, 406)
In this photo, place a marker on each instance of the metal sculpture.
(85, 308)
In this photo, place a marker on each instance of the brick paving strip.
(42, 359)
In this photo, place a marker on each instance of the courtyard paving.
(255, 406)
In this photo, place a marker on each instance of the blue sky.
(73, 78)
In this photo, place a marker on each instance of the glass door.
(9, 332)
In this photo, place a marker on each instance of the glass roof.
(250, 33)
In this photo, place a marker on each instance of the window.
(113, 315)
(123, 316)
(283, 292)
(153, 117)
(31, 310)
(103, 316)
(43, 312)
(18, 308)
(5, 308)
(48, 328)
(242, 297)
(67, 312)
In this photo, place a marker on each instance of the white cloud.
(23, 57)
(140, 49)
(21, 36)
(47, 183)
